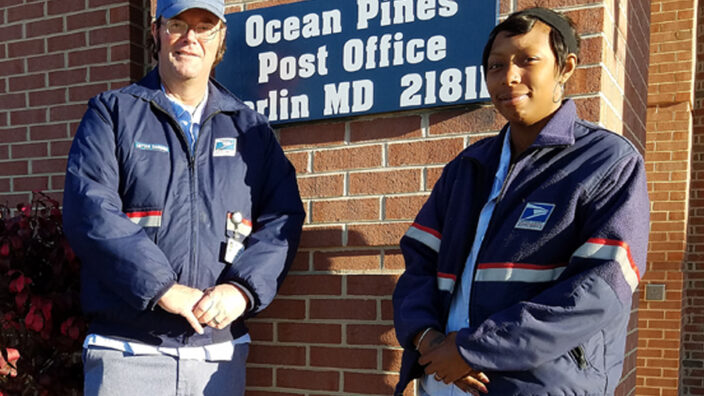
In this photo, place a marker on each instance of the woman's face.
(523, 78)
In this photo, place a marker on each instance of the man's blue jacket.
(552, 285)
(142, 213)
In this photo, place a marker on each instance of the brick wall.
(668, 163)
(54, 55)
(363, 179)
(692, 368)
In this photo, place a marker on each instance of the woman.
(521, 266)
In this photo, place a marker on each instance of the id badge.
(233, 249)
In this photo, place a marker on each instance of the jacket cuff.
(154, 301)
(243, 289)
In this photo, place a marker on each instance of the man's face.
(522, 76)
(184, 57)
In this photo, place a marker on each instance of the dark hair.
(155, 46)
(522, 22)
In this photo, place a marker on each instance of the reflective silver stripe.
(514, 274)
(446, 284)
(424, 237)
(147, 221)
(596, 249)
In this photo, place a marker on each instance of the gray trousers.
(111, 373)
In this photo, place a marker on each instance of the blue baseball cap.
(171, 8)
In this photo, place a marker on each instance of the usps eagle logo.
(535, 215)
(225, 147)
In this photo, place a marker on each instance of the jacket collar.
(219, 98)
(559, 131)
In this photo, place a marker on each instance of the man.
(185, 214)
(521, 266)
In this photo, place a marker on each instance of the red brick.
(311, 135)
(261, 331)
(4, 183)
(85, 92)
(371, 285)
(385, 182)
(269, 3)
(14, 168)
(346, 261)
(28, 82)
(11, 32)
(385, 128)
(65, 6)
(321, 186)
(285, 308)
(13, 101)
(387, 234)
(57, 165)
(350, 358)
(67, 112)
(29, 150)
(66, 42)
(110, 72)
(57, 182)
(45, 27)
(11, 200)
(403, 207)
(483, 119)
(393, 260)
(25, 12)
(68, 77)
(120, 14)
(314, 285)
(122, 52)
(308, 379)
(47, 97)
(59, 148)
(424, 152)
(109, 35)
(317, 333)
(48, 132)
(370, 383)
(23, 117)
(259, 376)
(30, 184)
(13, 135)
(11, 67)
(371, 335)
(391, 359)
(46, 62)
(86, 19)
(299, 161)
(326, 236)
(355, 309)
(24, 48)
(347, 158)
(277, 355)
(345, 210)
(88, 57)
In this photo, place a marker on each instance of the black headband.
(556, 22)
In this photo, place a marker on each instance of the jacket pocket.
(149, 219)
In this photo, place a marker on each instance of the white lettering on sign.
(356, 54)
(258, 31)
(290, 67)
(337, 97)
(279, 106)
(452, 85)
(398, 12)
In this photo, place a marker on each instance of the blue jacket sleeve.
(278, 217)
(594, 290)
(112, 249)
(417, 298)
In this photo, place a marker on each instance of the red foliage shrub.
(40, 317)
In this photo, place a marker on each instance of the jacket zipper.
(580, 357)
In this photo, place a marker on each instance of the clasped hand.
(443, 360)
(217, 306)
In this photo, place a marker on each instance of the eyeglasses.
(203, 31)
